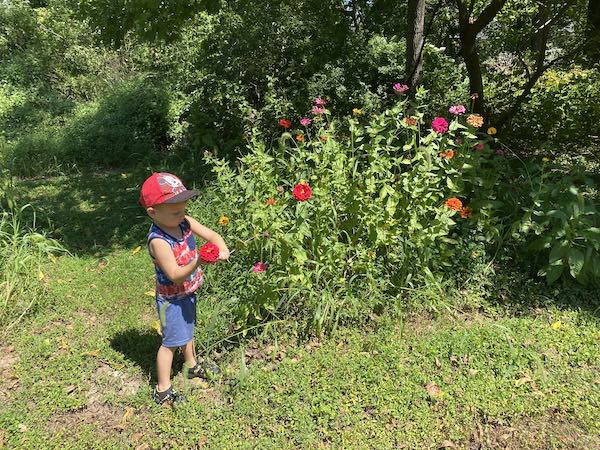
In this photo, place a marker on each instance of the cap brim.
(183, 196)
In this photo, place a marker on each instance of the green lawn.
(523, 372)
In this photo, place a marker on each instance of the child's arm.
(209, 235)
(163, 254)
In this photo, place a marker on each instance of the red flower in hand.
(285, 123)
(302, 192)
(209, 252)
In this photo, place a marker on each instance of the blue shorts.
(177, 319)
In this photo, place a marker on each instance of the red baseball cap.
(164, 188)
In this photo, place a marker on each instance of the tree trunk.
(414, 43)
(593, 30)
(473, 66)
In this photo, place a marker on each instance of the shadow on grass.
(139, 347)
(91, 213)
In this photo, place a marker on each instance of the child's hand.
(223, 254)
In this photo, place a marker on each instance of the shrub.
(335, 212)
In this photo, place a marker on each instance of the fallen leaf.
(91, 353)
(473, 372)
(136, 436)
(136, 250)
(69, 389)
(523, 380)
(41, 275)
(448, 444)
(156, 327)
(22, 428)
(128, 413)
(142, 447)
(438, 363)
(433, 390)
(556, 325)
(150, 293)
(51, 257)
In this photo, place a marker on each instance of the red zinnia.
(209, 252)
(285, 123)
(302, 192)
(454, 204)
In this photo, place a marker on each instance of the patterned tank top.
(184, 250)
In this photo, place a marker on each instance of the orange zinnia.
(324, 138)
(300, 137)
(475, 120)
(270, 202)
(410, 121)
(454, 204)
(466, 212)
(449, 154)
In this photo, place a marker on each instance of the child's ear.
(151, 211)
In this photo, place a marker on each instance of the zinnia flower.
(400, 88)
(305, 121)
(302, 192)
(224, 220)
(448, 155)
(466, 212)
(320, 102)
(499, 152)
(209, 252)
(457, 110)
(410, 121)
(491, 131)
(324, 138)
(270, 202)
(300, 137)
(479, 147)
(259, 267)
(475, 120)
(454, 204)
(285, 123)
(357, 112)
(317, 110)
(439, 125)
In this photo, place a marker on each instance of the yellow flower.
(491, 131)
(556, 325)
(224, 220)
(357, 112)
(544, 159)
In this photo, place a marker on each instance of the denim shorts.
(177, 319)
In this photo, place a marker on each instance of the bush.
(337, 212)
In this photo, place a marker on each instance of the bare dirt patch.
(9, 381)
(545, 432)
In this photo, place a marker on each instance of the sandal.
(170, 395)
(203, 369)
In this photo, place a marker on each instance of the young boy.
(172, 246)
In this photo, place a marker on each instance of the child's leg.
(189, 353)
(164, 359)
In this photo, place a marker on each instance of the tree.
(415, 39)
(593, 30)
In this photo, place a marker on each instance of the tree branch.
(487, 15)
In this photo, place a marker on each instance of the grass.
(517, 370)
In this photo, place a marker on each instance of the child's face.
(168, 214)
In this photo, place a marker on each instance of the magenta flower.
(259, 267)
(479, 147)
(439, 125)
(457, 110)
(400, 88)
(305, 121)
(499, 152)
(317, 110)
(320, 102)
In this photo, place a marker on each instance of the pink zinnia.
(316, 110)
(439, 125)
(400, 88)
(479, 147)
(305, 121)
(320, 102)
(457, 110)
(259, 267)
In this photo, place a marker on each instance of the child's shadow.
(139, 347)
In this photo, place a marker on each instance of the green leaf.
(576, 260)
(553, 272)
